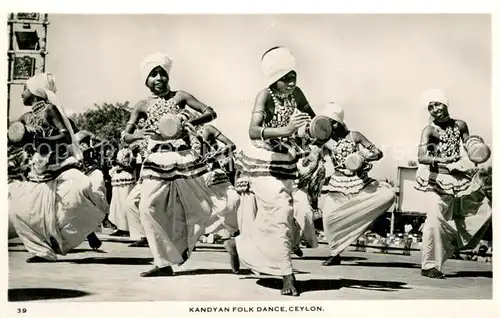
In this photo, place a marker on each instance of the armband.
(260, 112)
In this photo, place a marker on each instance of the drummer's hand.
(140, 135)
(30, 129)
(297, 120)
(186, 125)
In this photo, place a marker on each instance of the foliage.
(412, 163)
(107, 121)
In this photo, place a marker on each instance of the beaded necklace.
(284, 106)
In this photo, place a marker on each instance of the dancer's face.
(27, 97)
(157, 80)
(438, 110)
(336, 127)
(287, 83)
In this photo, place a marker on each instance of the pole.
(44, 44)
(392, 223)
(10, 61)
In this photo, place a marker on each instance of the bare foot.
(432, 273)
(333, 260)
(157, 271)
(120, 233)
(230, 246)
(143, 242)
(289, 286)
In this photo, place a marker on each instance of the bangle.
(262, 133)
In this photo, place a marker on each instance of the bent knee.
(80, 182)
(145, 206)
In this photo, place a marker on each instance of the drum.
(477, 151)
(16, 132)
(354, 161)
(170, 126)
(319, 128)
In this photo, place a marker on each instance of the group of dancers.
(299, 165)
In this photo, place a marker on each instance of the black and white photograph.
(277, 158)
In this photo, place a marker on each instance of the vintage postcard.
(222, 164)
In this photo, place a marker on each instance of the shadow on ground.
(335, 284)
(324, 258)
(17, 251)
(83, 250)
(26, 294)
(242, 272)
(485, 274)
(111, 260)
(214, 271)
(387, 264)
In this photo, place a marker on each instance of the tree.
(107, 121)
(412, 163)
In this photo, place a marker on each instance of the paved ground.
(112, 274)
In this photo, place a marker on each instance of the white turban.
(434, 95)
(152, 61)
(334, 111)
(44, 86)
(276, 64)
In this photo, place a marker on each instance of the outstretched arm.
(211, 131)
(207, 113)
(128, 134)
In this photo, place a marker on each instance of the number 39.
(21, 310)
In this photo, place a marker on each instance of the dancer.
(93, 163)
(175, 202)
(270, 168)
(224, 215)
(55, 209)
(458, 214)
(139, 149)
(351, 200)
(122, 181)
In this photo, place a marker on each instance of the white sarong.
(347, 216)
(59, 211)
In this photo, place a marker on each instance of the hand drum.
(354, 161)
(16, 132)
(319, 128)
(170, 127)
(477, 150)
